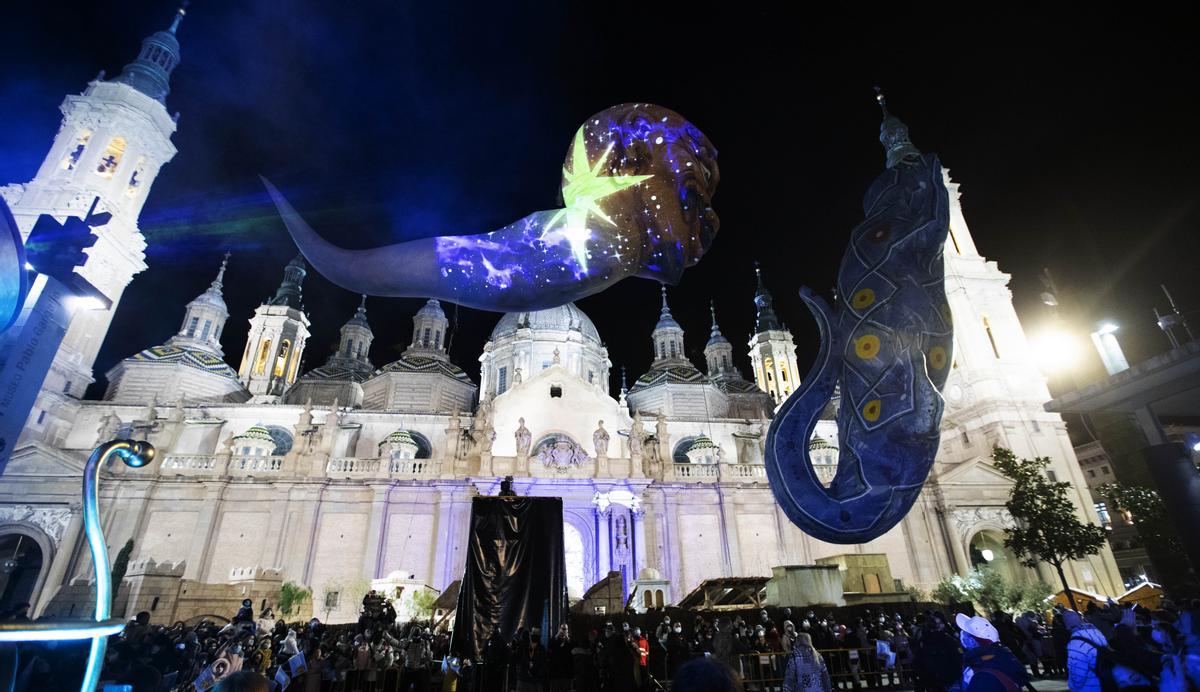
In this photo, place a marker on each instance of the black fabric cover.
(515, 575)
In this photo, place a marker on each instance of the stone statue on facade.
(110, 427)
(517, 376)
(557, 356)
(524, 438)
(637, 434)
(660, 432)
(600, 441)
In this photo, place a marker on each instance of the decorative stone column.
(62, 560)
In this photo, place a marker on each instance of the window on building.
(502, 380)
(658, 598)
(285, 347)
(260, 365)
(217, 334)
(67, 387)
(987, 327)
(425, 338)
(191, 328)
(207, 328)
(154, 604)
(724, 362)
(647, 599)
(783, 373)
(358, 349)
(555, 391)
(111, 158)
(136, 178)
(672, 349)
(1102, 513)
(437, 339)
(41, 417)
(1105, 471)
(1091, 473)
(966, 438)
(662, 353)
(1052, 476)
(770, 377)
(591, 377)
(71, 160)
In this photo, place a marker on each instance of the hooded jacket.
(1081, 658)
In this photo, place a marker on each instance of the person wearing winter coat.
(806, 669)
(988, 665)
(1083, 652)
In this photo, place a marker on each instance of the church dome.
(564, 318)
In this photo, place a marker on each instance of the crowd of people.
(1101, 649)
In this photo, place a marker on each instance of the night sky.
(1074, 139)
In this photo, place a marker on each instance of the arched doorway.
(987, 551)
(21, 562)
(573, 557)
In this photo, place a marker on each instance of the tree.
(422, 603)
(120, 565)
(987, 588)
(1048, 526)
(292, 596)
(1157, 533)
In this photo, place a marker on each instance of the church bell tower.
(113, 140)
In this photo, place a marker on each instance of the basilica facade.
(358, 472)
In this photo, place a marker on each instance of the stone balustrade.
(411, 468)
(352, 466)
(695, 472)
(255, 464)
(744, 472)
(195, 463)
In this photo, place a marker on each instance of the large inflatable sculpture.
(637, 190)
(887, 349)
(100, 626)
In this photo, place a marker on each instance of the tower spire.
(893, 135)
(290, 291)
(219, 282)
(765, 319)
(150, 72)
(178, 17)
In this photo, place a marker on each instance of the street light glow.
(1056, 350)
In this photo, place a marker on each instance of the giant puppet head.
(636, 199)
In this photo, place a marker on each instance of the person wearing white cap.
(988, 666)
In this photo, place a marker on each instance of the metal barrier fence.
(848, 669)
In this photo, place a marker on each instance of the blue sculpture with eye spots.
(887, 349)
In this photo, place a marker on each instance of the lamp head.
(138, 454)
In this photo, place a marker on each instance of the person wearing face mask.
(988, 665)
(678, 651)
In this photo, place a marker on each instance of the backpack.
(1104, 665)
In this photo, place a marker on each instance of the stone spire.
(765, 319)
(290, 291)
(150, 72)
(355, 343)
(429, 331)
(205, 317)
(718, 352)
(667, 337)
(893, 135)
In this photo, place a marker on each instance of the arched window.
(285, 347)
(783, 372)
(672, 349)
(264, 353)
(191, 327)
(425, 338)
(647, 599)
(437, 339)
(658, 598)
(72, 158)
(111, 158)
(136, 178)
(207, 328)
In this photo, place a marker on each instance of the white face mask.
(678, 629)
